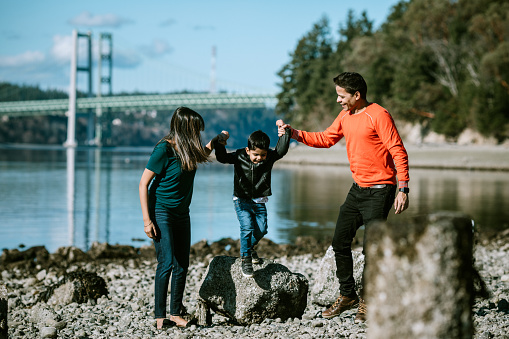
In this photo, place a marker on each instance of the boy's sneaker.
(247, 266)
(256, 258)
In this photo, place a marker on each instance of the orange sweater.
(374, 147)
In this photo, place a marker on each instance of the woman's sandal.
(167, 323)
(188, 324)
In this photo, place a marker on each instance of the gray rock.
(60, 325)
(77, 287)
(30, 282)
(325, 289)
(42, 315)
(41, 275)
(124, 322)
(48, 332)
(6, 275)
(272, 292)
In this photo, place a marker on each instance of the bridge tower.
(104, 78)
(71, 118)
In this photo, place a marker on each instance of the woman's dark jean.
(172, 249)
(362, 206)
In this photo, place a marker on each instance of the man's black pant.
(362, 205)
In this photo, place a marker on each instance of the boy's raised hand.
(223, 137)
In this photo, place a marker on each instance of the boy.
(252, 168)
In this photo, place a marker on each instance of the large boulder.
(79, 287)
(325, 289)
(273, 291)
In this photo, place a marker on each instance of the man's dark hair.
(352, 82)
(258, 139)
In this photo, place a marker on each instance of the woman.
(165, 207)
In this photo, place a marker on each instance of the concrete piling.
(419, 278)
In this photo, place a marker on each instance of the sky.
(165, 45)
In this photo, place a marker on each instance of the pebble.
(128, 310)
(48, 332)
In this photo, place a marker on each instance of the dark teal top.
(172, 187)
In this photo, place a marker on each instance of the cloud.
(28, 58)
(156, 49)
(105, 20)
(61, 50)
(168, 22)
(32, 67)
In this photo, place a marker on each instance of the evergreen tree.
(307, 81)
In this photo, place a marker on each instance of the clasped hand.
(222, 137)
(281, 127)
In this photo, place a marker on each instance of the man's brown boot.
(361, 312)
(342, 304)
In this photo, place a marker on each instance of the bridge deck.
(156, 101)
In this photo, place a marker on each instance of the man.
(376, 154)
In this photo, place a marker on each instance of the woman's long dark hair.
(185, 138)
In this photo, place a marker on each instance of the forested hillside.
(443, 64)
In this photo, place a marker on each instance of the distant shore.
(423, 156)
(448, 156)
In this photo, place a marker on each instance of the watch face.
(404, 190)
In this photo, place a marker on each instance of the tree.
(306, 96)
(306, 79)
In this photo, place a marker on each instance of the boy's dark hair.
(352, 82)
(258, 139)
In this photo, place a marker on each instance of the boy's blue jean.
(172, 249)
(253, 223)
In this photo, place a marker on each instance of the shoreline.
(425, 156)
(476, 157)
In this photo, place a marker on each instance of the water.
(56, 197)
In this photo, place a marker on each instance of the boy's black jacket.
(252, 180)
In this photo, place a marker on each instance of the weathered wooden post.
(3, 312)
(203, 314)
(419, 278)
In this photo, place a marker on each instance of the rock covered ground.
(127, 311)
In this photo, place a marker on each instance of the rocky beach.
(127, 309)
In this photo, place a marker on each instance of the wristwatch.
(404, 190)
